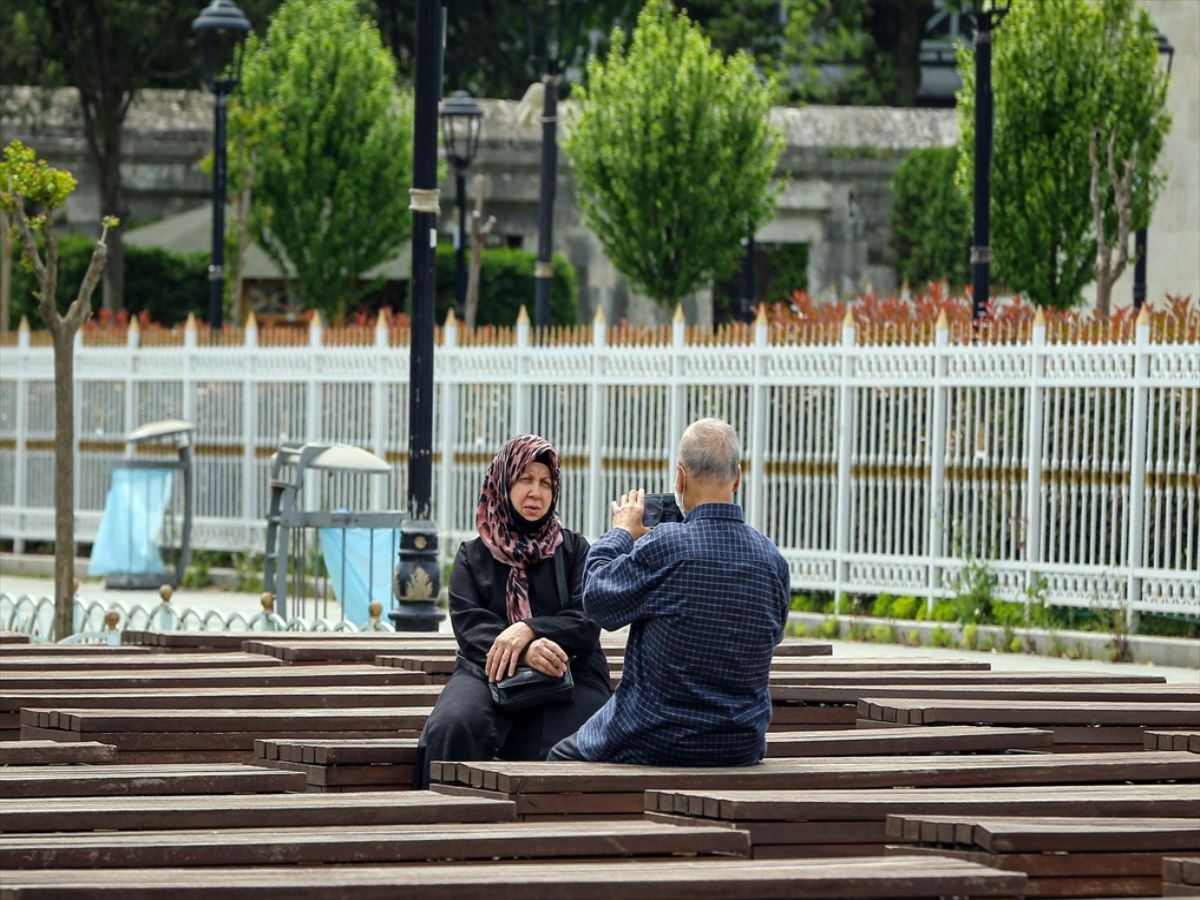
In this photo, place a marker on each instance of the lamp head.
(221, 30)
(462, 119)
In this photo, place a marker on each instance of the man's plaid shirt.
(707, 600)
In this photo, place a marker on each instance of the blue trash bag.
(369, 556)
(127, 541)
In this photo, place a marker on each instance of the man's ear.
(737, 482)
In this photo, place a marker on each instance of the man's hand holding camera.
(628, 512)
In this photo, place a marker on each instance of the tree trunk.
(64, 482)
(479, 230)
(5, 271)
(112, 200)
(114, 272)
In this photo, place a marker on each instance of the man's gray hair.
(710, 451)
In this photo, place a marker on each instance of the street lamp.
(418, 576)
(985, 16)
(552, 29)
(462, 119)
(1166, 49)
(221, 31)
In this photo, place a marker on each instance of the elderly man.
(706, 600)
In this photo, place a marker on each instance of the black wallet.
(529, 688)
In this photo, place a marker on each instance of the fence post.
(379, 433)
(1033, 447)
(594, 509)
(1137, 464)
(312, 409)
(937, 457)
(249, 422)
(132, 342)
(758, 424)
(20, 465)
(449, 424)
(846, 422)
(678, 388)
(520, 400)
(189, 362)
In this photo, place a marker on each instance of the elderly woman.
(516, 600)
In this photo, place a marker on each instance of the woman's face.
(532, 492)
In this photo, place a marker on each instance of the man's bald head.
(711, 452)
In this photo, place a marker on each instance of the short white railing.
(1073, 467)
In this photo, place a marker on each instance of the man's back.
(707, 600)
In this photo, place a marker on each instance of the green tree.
(931, 222)
(673, 154)
(1062, 68)
(332, 139)
(107, 50)
(31, 192)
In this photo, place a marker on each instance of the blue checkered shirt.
(706, 600)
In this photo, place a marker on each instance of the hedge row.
(168, 286)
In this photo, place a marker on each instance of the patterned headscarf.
(512, 539)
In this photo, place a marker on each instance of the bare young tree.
(479, 230)
(1106, 270)
(30, 192)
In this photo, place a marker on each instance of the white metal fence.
(873, 468)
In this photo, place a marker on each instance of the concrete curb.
(1160, 651)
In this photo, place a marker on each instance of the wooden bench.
(845, 674)
(233, 640)
(300, 810)
(917, 740)
(53, 753)
(909, 877)
(379, 844)
(582, 788)
(268, 676)
(1172, 740)
(1077, 725)
(1061, 857)
(98, 659)
(56, 650)
(1181, 876)
(786, 823)
(125, 780)
(13, 637)
(212, 735)
(333, 764)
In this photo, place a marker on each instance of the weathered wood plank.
(914, 877)
(916, 740)
(246, 811)
(381, 844)
(275, 697)
(1028, 713)
(54, 753)
(125, 780)
(139, 661)
(271, 675)
(1049, 834)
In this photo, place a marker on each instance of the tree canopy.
(673, 154)
(1061, 69)
(331, 138)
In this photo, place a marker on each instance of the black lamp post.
(418, 576)
(552, 28)
(1166, 49)
(221, 31)
(985, 16)
(462, 119)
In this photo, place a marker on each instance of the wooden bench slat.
(247, 811)
(916, 740)
(276, 697)
(1050, 834)
(139, 661)
(910, 877)
(117, 720)
(381, 844)
(49, 753)
(1017, 712)
(271, 675)
(967, 692)
(124, 780)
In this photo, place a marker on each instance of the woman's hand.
(547, 657)
(506, 651)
